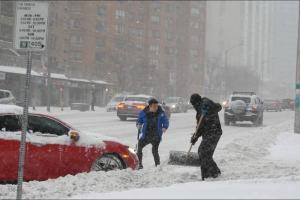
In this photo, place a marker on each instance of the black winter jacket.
(210, 125)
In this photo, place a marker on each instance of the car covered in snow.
(6, 97)
(134, 104)
(243, 106)
(54, 148)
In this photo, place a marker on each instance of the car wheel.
(122, 118)
(107, 162)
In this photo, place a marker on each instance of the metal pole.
(48, 87)
(22, 150)
(297, 99)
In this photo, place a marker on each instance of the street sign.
(30, 35)
(31, 25)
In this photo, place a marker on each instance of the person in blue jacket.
(152, 123)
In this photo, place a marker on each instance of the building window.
(76, 40)
(169, 36)
(195, 66)
(194, 53)
(74, 23)
(76, 56)
(120, 14)
(99, 57)
(155, 34)
(154, 62)
(100, 43)
(154, 49)
(101, 11)
(195, 25)
(195, 11)
(100, 27)
(120, 28)
(154, 19)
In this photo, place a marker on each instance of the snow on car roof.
(85, 140)
(140, 95)
(4, 108)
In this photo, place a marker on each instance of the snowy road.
(243, 153)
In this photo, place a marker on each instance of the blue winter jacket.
(162, 122)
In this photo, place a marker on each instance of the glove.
(194, 139)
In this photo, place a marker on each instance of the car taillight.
(254, 107)
(140, 106)
(121, 106)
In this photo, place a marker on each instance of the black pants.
(206, 151)
(155, 144)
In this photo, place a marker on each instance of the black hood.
(195, 99)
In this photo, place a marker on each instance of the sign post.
(30, 35)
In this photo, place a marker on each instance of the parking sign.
(31, 25)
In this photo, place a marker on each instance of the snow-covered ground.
(255, 162)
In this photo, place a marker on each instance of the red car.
(54, 148)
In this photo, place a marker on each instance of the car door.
(10, 134)
(45, 148)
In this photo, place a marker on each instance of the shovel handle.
(198, 125)
(190, 149)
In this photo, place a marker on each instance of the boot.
(140, 166)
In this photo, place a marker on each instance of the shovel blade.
(184, 158)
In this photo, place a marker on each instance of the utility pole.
(297, 99)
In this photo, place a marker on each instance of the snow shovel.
(185, 158)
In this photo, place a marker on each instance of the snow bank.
(249, 189)
(4, 108)
(286, 148)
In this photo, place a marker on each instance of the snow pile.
(12, 109)
(247, 189)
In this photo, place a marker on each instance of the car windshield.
(172, 100)
(247, 100)
(142, 99)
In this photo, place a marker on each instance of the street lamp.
(227, 51)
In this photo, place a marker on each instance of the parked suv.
(244, 106)
(6, 97)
